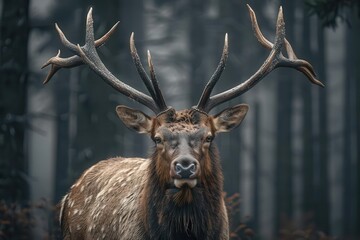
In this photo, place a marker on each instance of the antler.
(88, 55)
(274, 60)
(215, 77)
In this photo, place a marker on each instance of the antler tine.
(64, 40)
(274, 60)
(160, 98)
(215, 77)
(300, 65)
(89, 35)
(257, 32)
(139, 67)
(101, 41)
(57, 62)
(88, 55)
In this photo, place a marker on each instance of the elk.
(177, 193)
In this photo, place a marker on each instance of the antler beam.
(274, 60)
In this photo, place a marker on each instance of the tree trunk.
(321, 199)
(231, 147)
(256, 160)
(62, 149)
(356, 40)
(197, 49)
(284, 201)
(349, 172)
(308, 131)
(14, 185)
(14, 31)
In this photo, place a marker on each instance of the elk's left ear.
(134, 119)
(230, 118)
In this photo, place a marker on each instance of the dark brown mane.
(170, 216)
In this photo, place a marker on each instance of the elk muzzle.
(184, 171)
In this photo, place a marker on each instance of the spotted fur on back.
(104, 200)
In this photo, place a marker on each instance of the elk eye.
(157, 140)
(209, 138)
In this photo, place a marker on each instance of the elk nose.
(185, 170)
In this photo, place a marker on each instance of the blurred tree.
(14, 180)
(14, 31)
(321, 196)
(197, 48)
(284, 170)
(231, 147)
(315, 193)
(307, 129)
(329, 12)
(356, 62)
(349, 172)
(256, 160)
(65, 95)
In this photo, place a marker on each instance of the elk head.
(183, 139)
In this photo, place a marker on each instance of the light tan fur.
(104, 202)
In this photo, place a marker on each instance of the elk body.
(177, 193)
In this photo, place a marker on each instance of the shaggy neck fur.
(172, 213)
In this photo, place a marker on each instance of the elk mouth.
(183, 182)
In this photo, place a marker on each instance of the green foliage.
(330, 11)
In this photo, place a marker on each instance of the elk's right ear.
(134, 119)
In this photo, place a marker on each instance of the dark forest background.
(292, 169)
